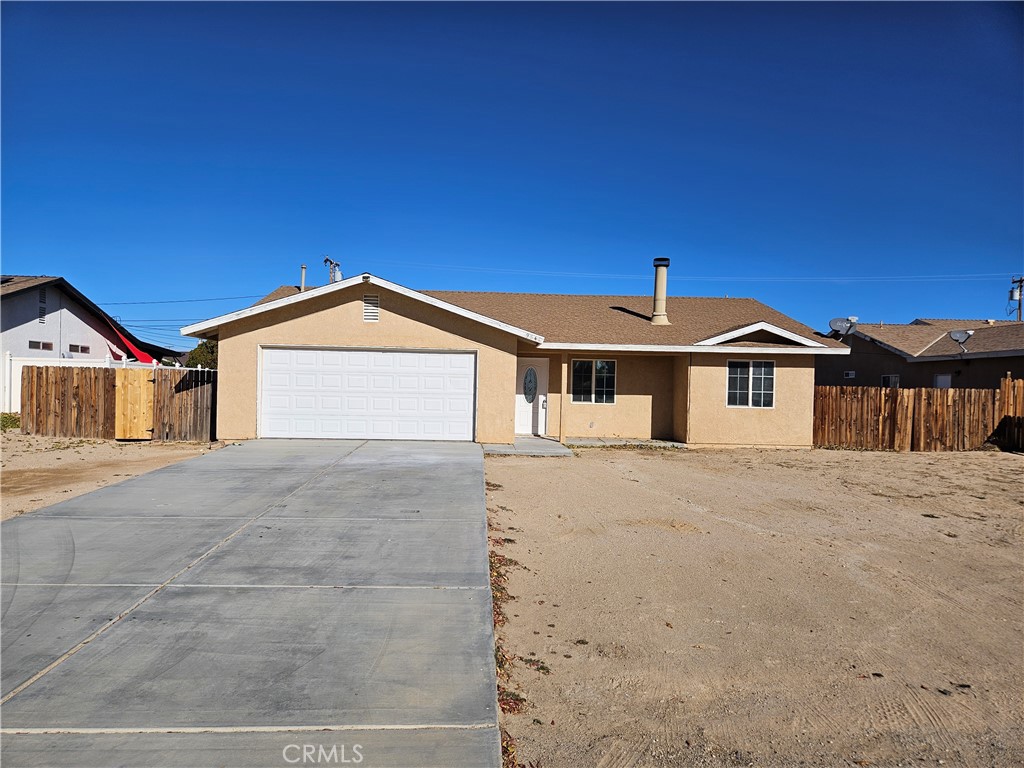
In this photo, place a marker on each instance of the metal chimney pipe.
(302, 285)
(660, 316)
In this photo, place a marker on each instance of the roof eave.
(209, 328)
(968, 356)
(679, 349)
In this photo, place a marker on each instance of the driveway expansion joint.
(134, 606)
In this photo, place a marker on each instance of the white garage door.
(367, 394)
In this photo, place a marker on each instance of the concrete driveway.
(273, 603)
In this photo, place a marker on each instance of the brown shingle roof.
(909, 340)
(576, 319)
(280, 293)
(1006, 338)
(954, 324)
(11, 284)
(930, 338)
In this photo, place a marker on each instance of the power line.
(178, 301)
(155, 329)
(705, 278)
(157, 334)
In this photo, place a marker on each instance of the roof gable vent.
(371, 307)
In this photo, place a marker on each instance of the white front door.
(532, 396)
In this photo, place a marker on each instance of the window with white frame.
(751, 384)
(78, 348)
(593, 381)
(890, 380)
(44, 345)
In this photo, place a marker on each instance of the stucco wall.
(643, 401)
(335, 320)
(680, 391)
(789, 423)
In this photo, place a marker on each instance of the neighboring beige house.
(367, 358)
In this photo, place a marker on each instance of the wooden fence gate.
(166, 404)
(926, 419)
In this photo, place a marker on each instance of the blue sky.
(161, 152)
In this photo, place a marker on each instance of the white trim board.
(822, 350)
(198, 329)
(759, 326)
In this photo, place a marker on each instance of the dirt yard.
(38, 471)
(766, 608)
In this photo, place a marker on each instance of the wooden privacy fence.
(891, 419)
(167, 404)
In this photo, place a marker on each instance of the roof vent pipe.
(660, 316)
(302, 285)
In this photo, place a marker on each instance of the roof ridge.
(588, 295)
(935, 341)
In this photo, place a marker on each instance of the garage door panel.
(277, 357)
(382, 406)
(462, 363)
(407, 383)
(356, 406)
(367, 394)
(457, 407)
(330, 428)
(356, 382)
(353, 428)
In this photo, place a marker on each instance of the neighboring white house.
(47, 321)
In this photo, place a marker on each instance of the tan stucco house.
(367, 358)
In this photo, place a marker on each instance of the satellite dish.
(960, 337)
(843, 325)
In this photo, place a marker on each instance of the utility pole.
(1016, 291)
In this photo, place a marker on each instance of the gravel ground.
(763, 607)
